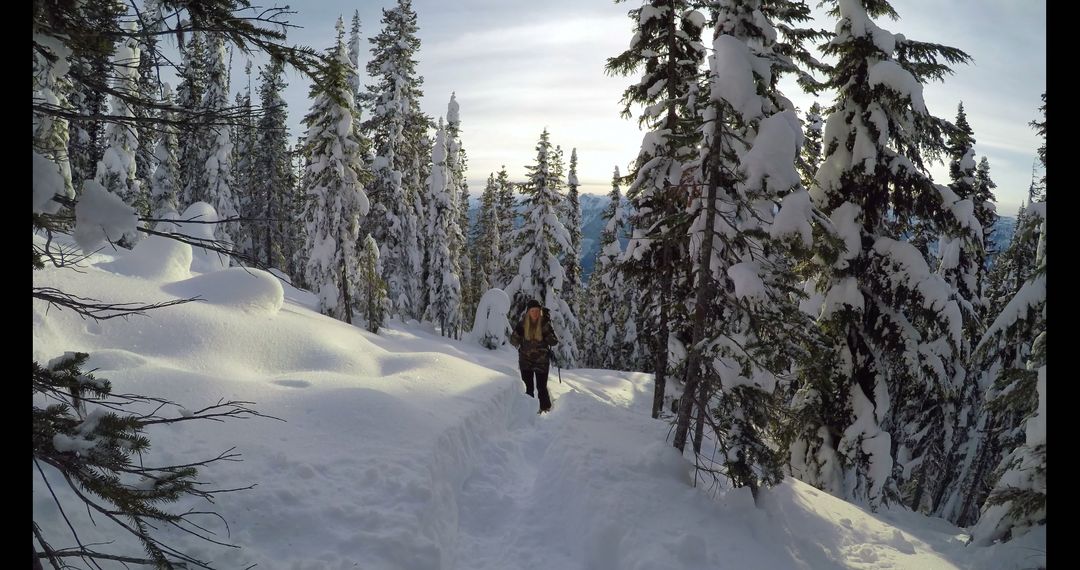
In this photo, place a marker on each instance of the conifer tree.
(507, 212)
(335, 197)
(444, 283)
(165, 183)
(894, 324)
(487, 242)
(573, 288)
(273, 176)
(219, 191)
(397, 129)
(667, 46)
(810, 157)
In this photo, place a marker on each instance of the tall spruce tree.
(190, 95)
(895, 326)
(506, 208)
(219, 191)
(397, 129)
(456, 163)
(486, 240)
(810, 157)
(444, 282)
(335, 197)
(667, 47)
(574, 286)
(604, 322)
(747, 329)
(273, 176)
(1013, 351)
(165, 183)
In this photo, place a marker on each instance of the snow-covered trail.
(588, 486)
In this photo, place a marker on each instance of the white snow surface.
(407, 450)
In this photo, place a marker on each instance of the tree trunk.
(704, 294)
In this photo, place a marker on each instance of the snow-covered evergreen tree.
(456, 164)
(219, 181)
(149, 89)
(52, 170)
(538, 246)
(896, 326)
(985, 209)
(487, 242)
(962, 264)
(273, 176)
(190, 95)
(607, 309)
(335, 197)
(354, 54)
(374, 296)
(116, 169)
(506, 209)
(810, 157)
(747, 328)
(444, 283)
(398, 129)
(243, 169)
(165, 183)
(574, 287)
(87, 100)
(1014, 350)
(667, 46)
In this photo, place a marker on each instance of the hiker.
(533, 338)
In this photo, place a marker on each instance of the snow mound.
(156, 259)
(250, 289)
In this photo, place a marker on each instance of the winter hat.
(533, 303)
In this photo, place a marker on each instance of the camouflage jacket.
(533, 355)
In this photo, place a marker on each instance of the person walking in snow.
(533, 338)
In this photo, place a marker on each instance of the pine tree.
(398, 135)
(149, 89)
(1013, 351)
(747, 328)
(219, 191)
(606, 312)
(895, 326)
(962, 265)
(116, 169)
(273, 178)
(243, 174)
(810, 157)
(985, 209)
(538, 245)
(165, 183)
(444, 283)
(190, 94)
(667, 45)
(506, 209)
(335, 198)
(456, 163)
(86, 142)
(573, 289)
(354, 54)
(374, 289)
(487, 241)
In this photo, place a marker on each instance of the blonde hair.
(533, 330)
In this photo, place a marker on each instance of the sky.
(406, 449)
(519, 66)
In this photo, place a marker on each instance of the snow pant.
(527, 376)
